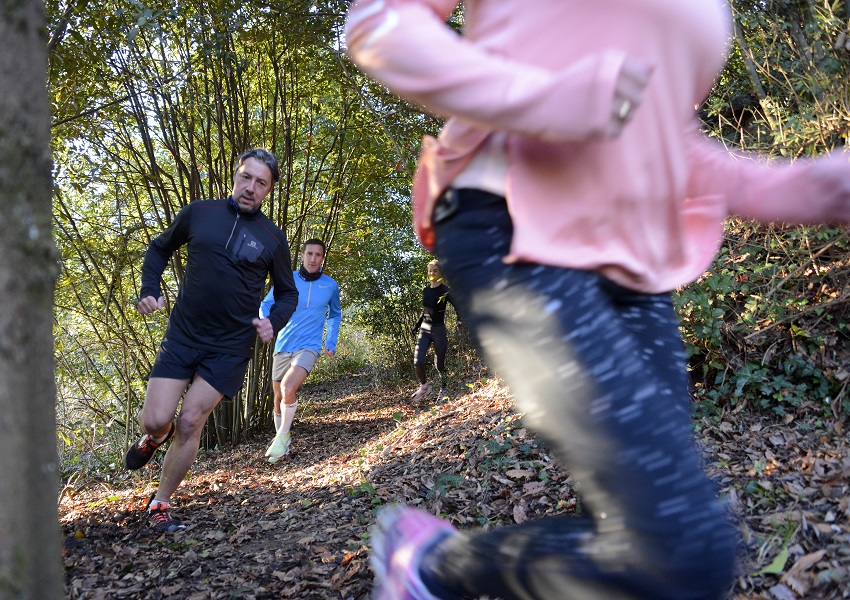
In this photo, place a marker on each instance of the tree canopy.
(151, 105)
(152, 102)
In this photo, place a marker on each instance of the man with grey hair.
(231, 250)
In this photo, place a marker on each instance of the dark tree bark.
(30, 559)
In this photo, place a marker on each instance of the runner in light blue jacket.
(316, 320)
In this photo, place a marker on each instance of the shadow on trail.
(294, 529)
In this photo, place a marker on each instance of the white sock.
(288, 416)
(278, 418)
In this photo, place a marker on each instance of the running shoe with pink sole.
(399, 538)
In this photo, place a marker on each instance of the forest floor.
(299, 528)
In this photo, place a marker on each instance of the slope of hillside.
(299, 528)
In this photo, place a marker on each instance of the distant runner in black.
(431, 329)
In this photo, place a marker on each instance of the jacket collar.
(250, 214)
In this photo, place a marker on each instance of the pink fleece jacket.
(645, 209)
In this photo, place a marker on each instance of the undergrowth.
(767, 326)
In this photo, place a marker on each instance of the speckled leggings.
(438, 336)
(599, 372)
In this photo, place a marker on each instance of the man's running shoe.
(443, 395)
(279, 447)
(423, 391)
(142, 451)
(399, 539)
(160, 519)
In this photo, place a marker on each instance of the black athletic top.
(434, 301)
(229, 255)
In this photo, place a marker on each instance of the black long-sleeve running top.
(229, 255)
(434, 301)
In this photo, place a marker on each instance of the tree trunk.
(30, 561)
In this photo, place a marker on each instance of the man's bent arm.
(159, 252)
(334, 320)
(266, 304)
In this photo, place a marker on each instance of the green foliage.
(388, 303)
(783, 90)
(501, 446)
(352, 354)
(151, 103)
(367, 489)
(444, 483)
(763, 327)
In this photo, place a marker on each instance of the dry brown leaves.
(299, 528)
(788, 482)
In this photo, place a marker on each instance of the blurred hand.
(330, 353)
(149, 304)
(832, 174)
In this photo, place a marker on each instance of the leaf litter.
(299, 528)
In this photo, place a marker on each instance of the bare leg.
(161, 399)
(278, 395)
(199, 402)
(292, 382)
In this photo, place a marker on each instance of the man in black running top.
(231, 249)
(431, 329)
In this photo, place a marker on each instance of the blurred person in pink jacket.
(568, 193)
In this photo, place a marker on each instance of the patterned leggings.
(599, 371)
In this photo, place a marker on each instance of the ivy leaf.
(778, 565)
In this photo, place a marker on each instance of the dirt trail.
(298, 529)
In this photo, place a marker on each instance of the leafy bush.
(767, 326)
(352, 354)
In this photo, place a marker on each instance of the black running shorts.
(224, 372)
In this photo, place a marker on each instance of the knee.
(153, 423)
(190, 424)
(289, 392)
